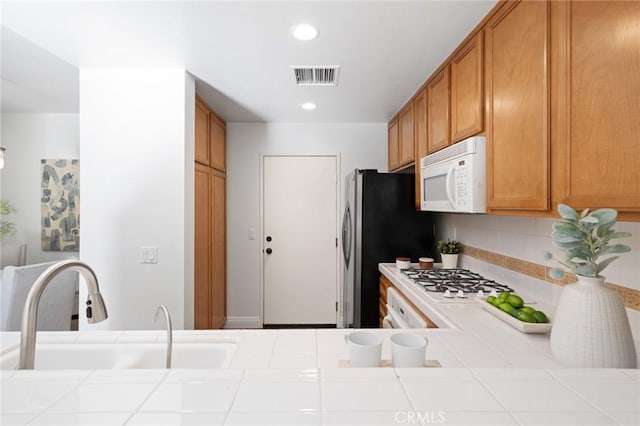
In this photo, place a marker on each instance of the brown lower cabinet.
(384, 285)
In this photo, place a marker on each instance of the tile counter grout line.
(235, 397)
(64, 395)
(137, 410)
(591, 403)
(486, 388)
(630, 297)
(404, 389)
(321, 382)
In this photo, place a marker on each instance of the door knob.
(269, 250)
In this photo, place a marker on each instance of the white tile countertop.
(492, 374)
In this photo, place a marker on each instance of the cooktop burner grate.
(454, 281)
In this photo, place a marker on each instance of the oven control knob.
(447, 293)
(494, 293)
(461, 294)
(480, 294)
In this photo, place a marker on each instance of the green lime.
(503, 296)
(515, 301)
(496, 302)
(540, 316)
(507, 308)
(528, 309)
(490, 299)
(525, 316)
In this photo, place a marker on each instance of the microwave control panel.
(462, 177)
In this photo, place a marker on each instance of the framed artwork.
(60, 205)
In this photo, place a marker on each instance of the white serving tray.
(525, 327)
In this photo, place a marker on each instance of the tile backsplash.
(527, 238)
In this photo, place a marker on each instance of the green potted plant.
(449, 251)
(6, 228)
(590, 328)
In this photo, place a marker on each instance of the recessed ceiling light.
(304, 32)
(308, 106)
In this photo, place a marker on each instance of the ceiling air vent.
(316, 75)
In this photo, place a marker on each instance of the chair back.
(13, 254)
(56, 304)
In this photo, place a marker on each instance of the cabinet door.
(218, 293)
(217, 138)
(406, 144)
(420, 114)
(598, 105)
(516, 82)
(467, 91)
(393, 145)
(203, 258)
(384, 285)
(438, 112)
(202, 150)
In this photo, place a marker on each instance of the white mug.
(408, 350)
(365, 348)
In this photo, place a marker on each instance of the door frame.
(261, 247)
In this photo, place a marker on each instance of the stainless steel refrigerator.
(379, 223)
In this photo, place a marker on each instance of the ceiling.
(241, 53)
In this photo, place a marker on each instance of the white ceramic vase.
(449, 261)
(591, 327)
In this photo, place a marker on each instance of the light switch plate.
(148, 254)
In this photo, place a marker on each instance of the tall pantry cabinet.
(210, 218)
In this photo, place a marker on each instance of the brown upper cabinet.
(554, 87)
(217, 142)
(210, 145)
(202, 132)
(517, 102)
(596, 126)
(401, 149)
(438, 111)
(467, 112)
(406, 151)
(393, 146)
(421, 149)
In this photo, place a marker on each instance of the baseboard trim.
(243, 322)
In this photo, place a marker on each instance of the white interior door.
(299, 239)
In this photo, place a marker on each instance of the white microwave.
(455, 179)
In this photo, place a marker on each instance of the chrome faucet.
(96, 309)
(167, 319)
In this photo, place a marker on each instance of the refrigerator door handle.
(346, 235)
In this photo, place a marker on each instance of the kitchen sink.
(134, 355)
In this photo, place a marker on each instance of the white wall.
(359, 146)
(527, 238)
(136, 170)
(29, 138)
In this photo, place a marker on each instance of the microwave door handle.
(448, 188)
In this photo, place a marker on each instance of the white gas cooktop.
(453, 285)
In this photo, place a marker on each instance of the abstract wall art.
(60, 205)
